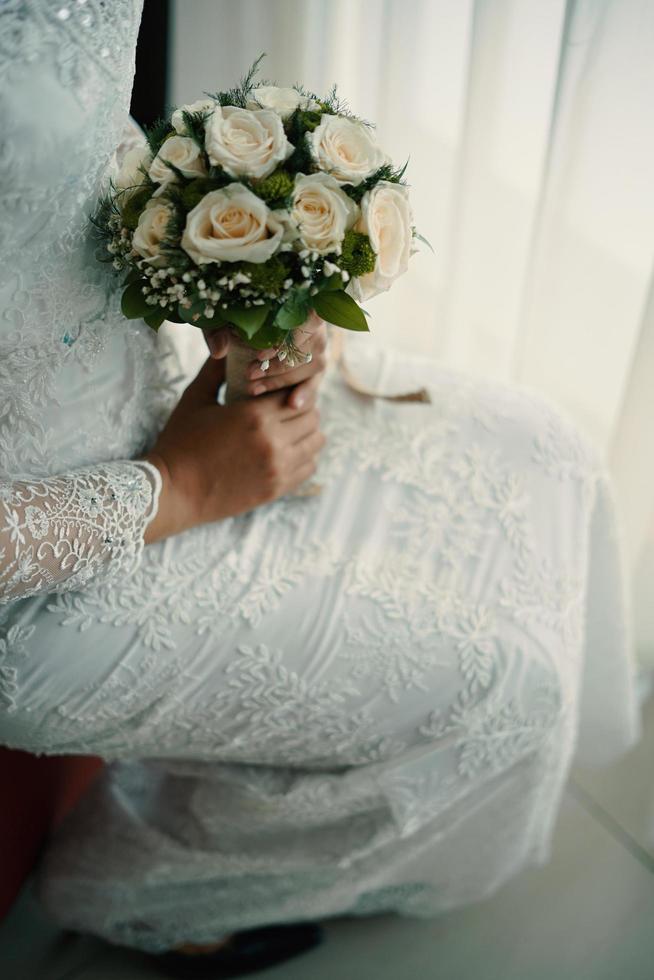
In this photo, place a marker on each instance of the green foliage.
(274, 189)
(105, 210)
(421, 238)
(174, 229)
(330, 283)
(299, 124)
(301, 160)
(192, 193)
(294, 311)
(248, 319)
(309, 119)
(155, 319)
(195, 124)
(195, 316)
(268, 335)
(134, 275)
(133, 302)
(340, 309)
(240, 95)
(334, 105)
(305, 92)
(357, 254)
(132, 204)
(157, 133)
(266, 276)
(387, 172)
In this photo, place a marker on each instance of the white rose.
(321, 212)
(387, 221)
(184, 153)
(151, 230)
(246, 142)
(229, 225)
(131, 173)
(283, 101)
(202, 105)
(346, 148)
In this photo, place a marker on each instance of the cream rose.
(346, 148)
(283, 101)
(387, 220)
(229, 225)
(131, 175)
(321, 212)
(246, 142)
(177, 118)
(181, 151)
(151, 230)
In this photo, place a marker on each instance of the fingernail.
(299, 401)
(258, 389)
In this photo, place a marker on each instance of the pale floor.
(588, 915)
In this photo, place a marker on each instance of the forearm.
(173, 513)
(58, 533)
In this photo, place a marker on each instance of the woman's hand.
(303, 379)
(218, 461)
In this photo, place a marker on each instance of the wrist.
(171, 517)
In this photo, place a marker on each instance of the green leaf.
(194, 191)
(187, 313)
(421, 238)
(133, 302)
(331, 284)
(294, 311)
(132, 204)
(171, 313)
(134, 275)
(268, 336)
(155, 319)
(340, 309)
(249, 319)
(195, 316)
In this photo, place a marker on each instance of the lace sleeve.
(59, 532)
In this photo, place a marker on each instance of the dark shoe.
(245, 952)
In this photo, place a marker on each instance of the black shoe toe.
(247, 952)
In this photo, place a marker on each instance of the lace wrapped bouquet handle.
(251, 207)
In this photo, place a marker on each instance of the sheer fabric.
(363, 700)
(57, 534)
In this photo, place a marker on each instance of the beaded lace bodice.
(77, 389)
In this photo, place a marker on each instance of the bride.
(360, 701)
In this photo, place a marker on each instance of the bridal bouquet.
(251, 207)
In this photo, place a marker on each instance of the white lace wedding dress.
(361, 701)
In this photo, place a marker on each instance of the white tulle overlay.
(364, 700)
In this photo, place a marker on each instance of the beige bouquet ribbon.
(338, 354)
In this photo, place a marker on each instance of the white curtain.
(529, 125)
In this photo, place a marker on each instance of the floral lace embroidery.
(58, 533)
(416, 622)
(240, 583)
(12, 644)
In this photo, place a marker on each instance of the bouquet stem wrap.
(239, 357)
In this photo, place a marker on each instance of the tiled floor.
(589, 915)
